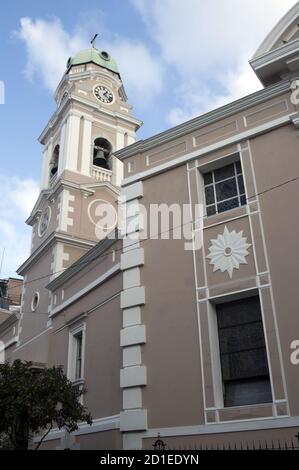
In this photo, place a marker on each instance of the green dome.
(101, 58)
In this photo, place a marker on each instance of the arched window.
(101, 153)
(54, 162)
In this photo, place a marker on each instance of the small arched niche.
(102, 150)
(54, 162)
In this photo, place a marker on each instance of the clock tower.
(92, 120)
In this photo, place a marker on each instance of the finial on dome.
(93, 41)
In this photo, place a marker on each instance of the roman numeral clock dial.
(103, 94)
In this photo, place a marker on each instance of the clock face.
(103, 94)
(44, 221)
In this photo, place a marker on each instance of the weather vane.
(93, 41)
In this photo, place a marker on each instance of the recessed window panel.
(244, 362)
(224, 189)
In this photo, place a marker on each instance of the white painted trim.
(98, 425)
(225, 427)
(132, 259)
(132, 297)
(131, 278)
(133, 420)
(71, 361)
(274, 313)
(283, 24)
(133, 376)
(32, 339)
(132, 398)
(133, 192)
(210, 148)
(133, 335)
(131, 317)
(85, 290)
(132, 357)
(132, 441)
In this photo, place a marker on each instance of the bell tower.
(92, 120)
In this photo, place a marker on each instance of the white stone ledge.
(133, 377)
(131, 278)
(132, 297)
(132, 259)
(133, 335)
(134, 191)
(133, 420)
(132, 398)
(132, 356)
(131, 317)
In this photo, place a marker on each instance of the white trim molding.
(235, 139)
(133, 376)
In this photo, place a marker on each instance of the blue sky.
(177, 59)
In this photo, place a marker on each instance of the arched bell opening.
(102, 150)
(54, 162)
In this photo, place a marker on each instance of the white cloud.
(209, 44)
(17, 198)
(141, 72)
(49, 46)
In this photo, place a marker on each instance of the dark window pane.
(248, 392)
(208, 178)
(242, 337)
(210, 197)
(243, 200)
(226, 190)
(239, 167)
(239, 312)
(225, 172)
(244, 363)
(241, 185)
(211, 210)
(228, 205)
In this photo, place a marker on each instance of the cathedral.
(192, 339)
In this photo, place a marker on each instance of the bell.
(100, 159)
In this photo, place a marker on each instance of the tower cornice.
(88, 105)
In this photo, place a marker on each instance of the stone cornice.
(88, 189)
(204, 120)
(55, 237)
(282, 52)
(90, 106)
(84, 261)
(11, 320)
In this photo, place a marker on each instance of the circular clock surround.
(103, 94)
(44, 221)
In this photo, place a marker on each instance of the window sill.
(226, 216)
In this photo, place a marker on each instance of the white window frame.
(72, 358)
(214, 182)
(215, 348)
